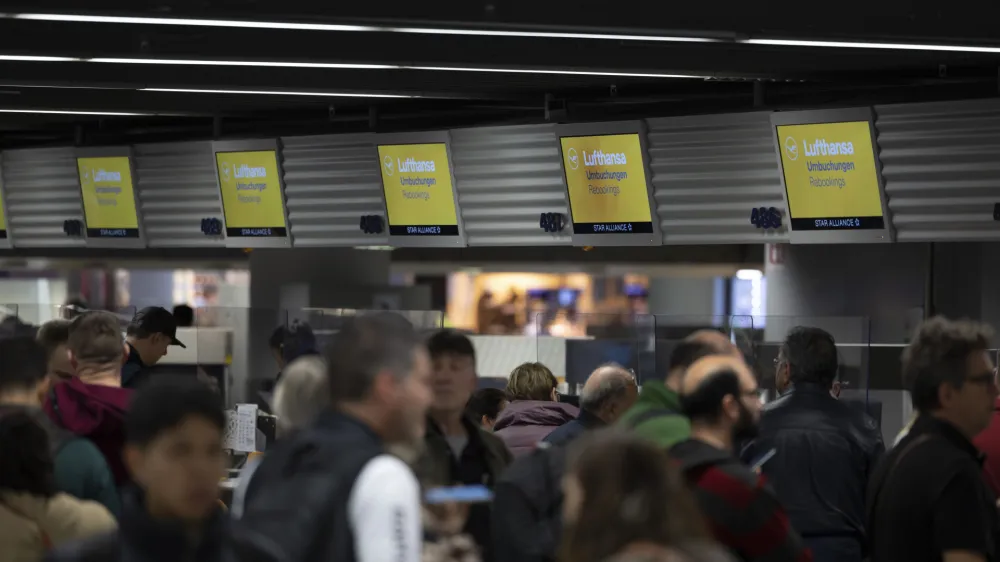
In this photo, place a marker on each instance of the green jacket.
(82, 472)
(663, 430)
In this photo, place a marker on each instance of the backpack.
(296, 503)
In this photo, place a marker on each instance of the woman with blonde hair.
(534, 409)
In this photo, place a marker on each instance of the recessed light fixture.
(274, 93)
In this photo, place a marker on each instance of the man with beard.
(332, 491)
(720, 396)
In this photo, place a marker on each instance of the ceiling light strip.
(275, 93)
(294, 26)
(68, 112)
(871, 45)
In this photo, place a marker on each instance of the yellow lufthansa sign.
(606, 180)
(419, 197)
(252, 200)
(830, 176)
(108, 197)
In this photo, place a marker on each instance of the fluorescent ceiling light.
(68, 112)
(749, 274)
(868, 45)
(551, 71)
(32, 58)
(80, 18)
(273, 93)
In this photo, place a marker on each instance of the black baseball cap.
(155, 320)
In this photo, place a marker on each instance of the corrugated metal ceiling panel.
(330, 182)
(506, 178)
(709, 171)
(177, 189)
(42, 191)
(942, 174)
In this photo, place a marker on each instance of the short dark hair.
(687, 352)
(53, 334)
(184, 315)
(937, 355)
(450, 342)
(704, 403)
(365, 346)
(96, 337)
(486, 402)
(26, 464)
(277, 338)
(22, 364)
(811, 354)
(167, 402)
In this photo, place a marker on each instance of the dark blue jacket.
(569, 431)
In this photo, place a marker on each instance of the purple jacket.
(526, 422)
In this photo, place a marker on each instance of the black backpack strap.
(650, 414)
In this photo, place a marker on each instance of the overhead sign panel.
(419, 190)
(831, 176)
(608, 186)
(253, 200)
(4, 238)
(107, 188)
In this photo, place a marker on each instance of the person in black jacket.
(526, 508)
(825, 451)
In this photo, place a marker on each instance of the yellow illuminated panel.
(108, 197)
(830, 176)
(252, 201)
(419, 197)
(606, 179)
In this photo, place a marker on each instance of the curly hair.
(531, 381)
(937, 355)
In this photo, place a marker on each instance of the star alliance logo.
(387, 162)
(574, 160)
(791, 148)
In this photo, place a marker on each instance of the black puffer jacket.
(825, 452)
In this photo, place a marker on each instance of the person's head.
(301, 393)
(619, 490)
(22, 371)
(378, 369)
(532, 381)
(74, 307)
(53, 337)
(184, 316)
(807, 356)
(173, 447)
(720, 396)
(949, 372)
(701, 343)
(609, 392)
(288, 343)
(485, 406)
(96, 346)
(151, 332)
(454, 371)
(26, 464)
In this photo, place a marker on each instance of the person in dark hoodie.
(79, 468)
(534, 411)
(92, 404)
(152, 331)
(175, 457)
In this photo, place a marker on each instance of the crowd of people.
(387, 452)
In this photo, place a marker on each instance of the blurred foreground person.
(79, 467)
(988, 441)
(928, 500)
(622, 495)
(175, 456)
(456, 450)
(34, 516)
(485, 406)
(526, 525)
(817, 438)
(657, 414)
(332, 492)
(720, 396)
(92, 403)
(534, 409)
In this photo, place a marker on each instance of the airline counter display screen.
(108, 197)
(606, 182)
(831, 178)
(252, 201)
(419, 196)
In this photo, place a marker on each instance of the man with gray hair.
(608, 393)
(526, 526)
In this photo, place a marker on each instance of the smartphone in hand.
(458, 494)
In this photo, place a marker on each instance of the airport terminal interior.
(566, 186)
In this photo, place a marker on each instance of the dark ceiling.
(460, 63)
